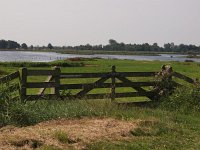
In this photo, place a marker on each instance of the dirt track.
(80, 132)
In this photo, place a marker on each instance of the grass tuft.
(61, 137)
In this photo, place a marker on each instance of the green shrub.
(186, 100)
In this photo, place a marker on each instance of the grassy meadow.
(173, 123)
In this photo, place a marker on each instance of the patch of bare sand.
(80, 131)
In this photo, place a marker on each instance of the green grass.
(61, 137)
(173, 125)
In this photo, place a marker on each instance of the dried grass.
(81, 132)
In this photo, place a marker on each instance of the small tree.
(50, 46)
(24, 46)
(31, 47)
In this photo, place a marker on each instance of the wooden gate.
(110, 80)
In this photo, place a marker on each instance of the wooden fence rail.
(117, 80)
(10, 87)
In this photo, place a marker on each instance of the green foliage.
(50, 46)
(61, 137)
(9, 44)
(150, 128)
(185, 100)
(24, 46)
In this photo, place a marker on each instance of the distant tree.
(167, 47)
(31, 47)
(24, 46)
(50, 46)
(3, 44)
(12, 45)
(155, 47)
(112, 42)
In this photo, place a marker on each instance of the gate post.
(57, 81)
(113, 83)
(23, 84)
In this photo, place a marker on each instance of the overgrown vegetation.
(172, 124)
(184, 100)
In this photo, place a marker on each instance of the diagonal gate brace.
(87, 89)
(137, 88)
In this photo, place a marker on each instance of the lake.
(6, 56)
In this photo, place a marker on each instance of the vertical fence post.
(113, 83)
(23, 84)
(57, 81)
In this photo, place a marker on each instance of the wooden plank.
(90, 96)
(89, 88)
(23, 84)
(113, 84)
(57, 80)
(41, 97)
(41, 85)
(71, 97)
(10, 77)
(82, 75)
(41, 91)
(139, 89)
(98, 75)
(136, 74)
(135, 94)
(41, 72)
(183, 77)
(105, 85)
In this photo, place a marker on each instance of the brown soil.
(80, 132)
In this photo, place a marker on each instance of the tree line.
(112, 45)
(11, 45)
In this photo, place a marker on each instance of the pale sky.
(74, 22)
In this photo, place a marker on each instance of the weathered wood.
(98, 75)
(41, 91)
(105, 85)
(139, 89)
(41, 97)
(42, 73)
(89, 88)
(82, 75)
(183, 77)
(10, 77)
(136, 74)
(135, 94)
(88, 96)
(42, 85)
(57, 81)
(113, 83)
(23, 84)
(70, 97)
